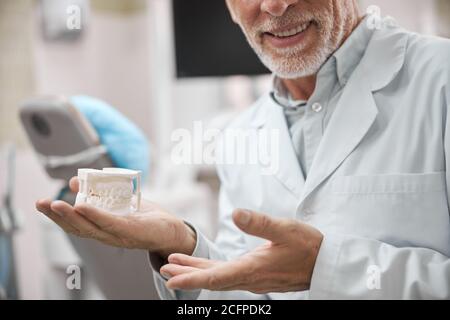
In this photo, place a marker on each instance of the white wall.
(110, 61)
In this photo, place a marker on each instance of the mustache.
(288, 20)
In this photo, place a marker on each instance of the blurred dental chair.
(118, 273)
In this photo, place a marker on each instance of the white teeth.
(110, 194)
(292, 32)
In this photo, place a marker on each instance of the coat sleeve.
(356, 268)
(350, 267)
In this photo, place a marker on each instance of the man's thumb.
(259, 225)
(74, 184)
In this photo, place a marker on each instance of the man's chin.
(292, 69)
(293, 65)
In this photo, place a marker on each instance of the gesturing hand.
(283, 264)
(151, 228)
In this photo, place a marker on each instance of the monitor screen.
(208, 43)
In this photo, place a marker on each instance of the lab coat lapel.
(356, 111)
(287, 170)
(352, 119)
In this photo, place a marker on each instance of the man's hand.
(151, 228)
(284, 264)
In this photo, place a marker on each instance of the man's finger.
(74, 184)
(103, 220)
(259, 225)
(44, 207)
(171, 270)
(185, 260)
(227, 275)
(86, 228)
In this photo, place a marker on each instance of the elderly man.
(358, 207)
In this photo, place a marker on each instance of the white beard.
(290, 63)
(292, 67)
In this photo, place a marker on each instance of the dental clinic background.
(124, 54)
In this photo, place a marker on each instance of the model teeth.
(111, 195)
(292, 32)
(112, 189)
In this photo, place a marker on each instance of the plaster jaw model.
(111, 189)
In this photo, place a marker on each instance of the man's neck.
(303, 88)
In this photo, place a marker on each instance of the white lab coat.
(377, 188)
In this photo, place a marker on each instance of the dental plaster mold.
(112, 189)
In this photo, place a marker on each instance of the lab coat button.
(317, 107)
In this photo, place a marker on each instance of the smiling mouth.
(291, 32)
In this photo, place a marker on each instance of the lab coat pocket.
(407, 208)
(390, 184)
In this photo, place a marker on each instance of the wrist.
(191, 240)
(185, 241)
(314, 253)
